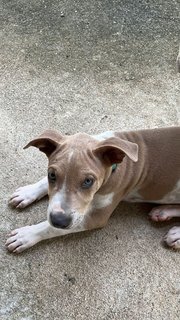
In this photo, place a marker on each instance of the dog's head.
(79, 166)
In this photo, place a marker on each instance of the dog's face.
(74, 177)
(79, 166)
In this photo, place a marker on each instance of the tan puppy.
(89, 175)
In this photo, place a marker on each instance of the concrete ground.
(86, 66)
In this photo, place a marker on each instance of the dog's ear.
(47, 142)
(113, 150)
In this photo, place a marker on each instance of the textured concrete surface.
(86, 66)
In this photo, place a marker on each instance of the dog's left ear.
(46, 142)
(113, 150)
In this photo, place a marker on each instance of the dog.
(89, 175)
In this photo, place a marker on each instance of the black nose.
(60, 220)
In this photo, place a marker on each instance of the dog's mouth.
(63, 227)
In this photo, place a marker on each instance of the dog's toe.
(172, 238)
(15, 201)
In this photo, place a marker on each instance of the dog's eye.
(88, 182)
(51, 176)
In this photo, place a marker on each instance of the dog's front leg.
(23, 238)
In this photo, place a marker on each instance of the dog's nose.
(60, 219)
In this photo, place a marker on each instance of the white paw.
(163, 213)
(24, 196)
(172, 238)
(22, 239)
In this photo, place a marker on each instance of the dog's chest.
(170, 198)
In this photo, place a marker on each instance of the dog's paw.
(160, 214)
(24, 196)
(22, 239)
(172, 238)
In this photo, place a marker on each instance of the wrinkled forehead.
(76, 152)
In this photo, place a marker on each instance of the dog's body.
(89, 175)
